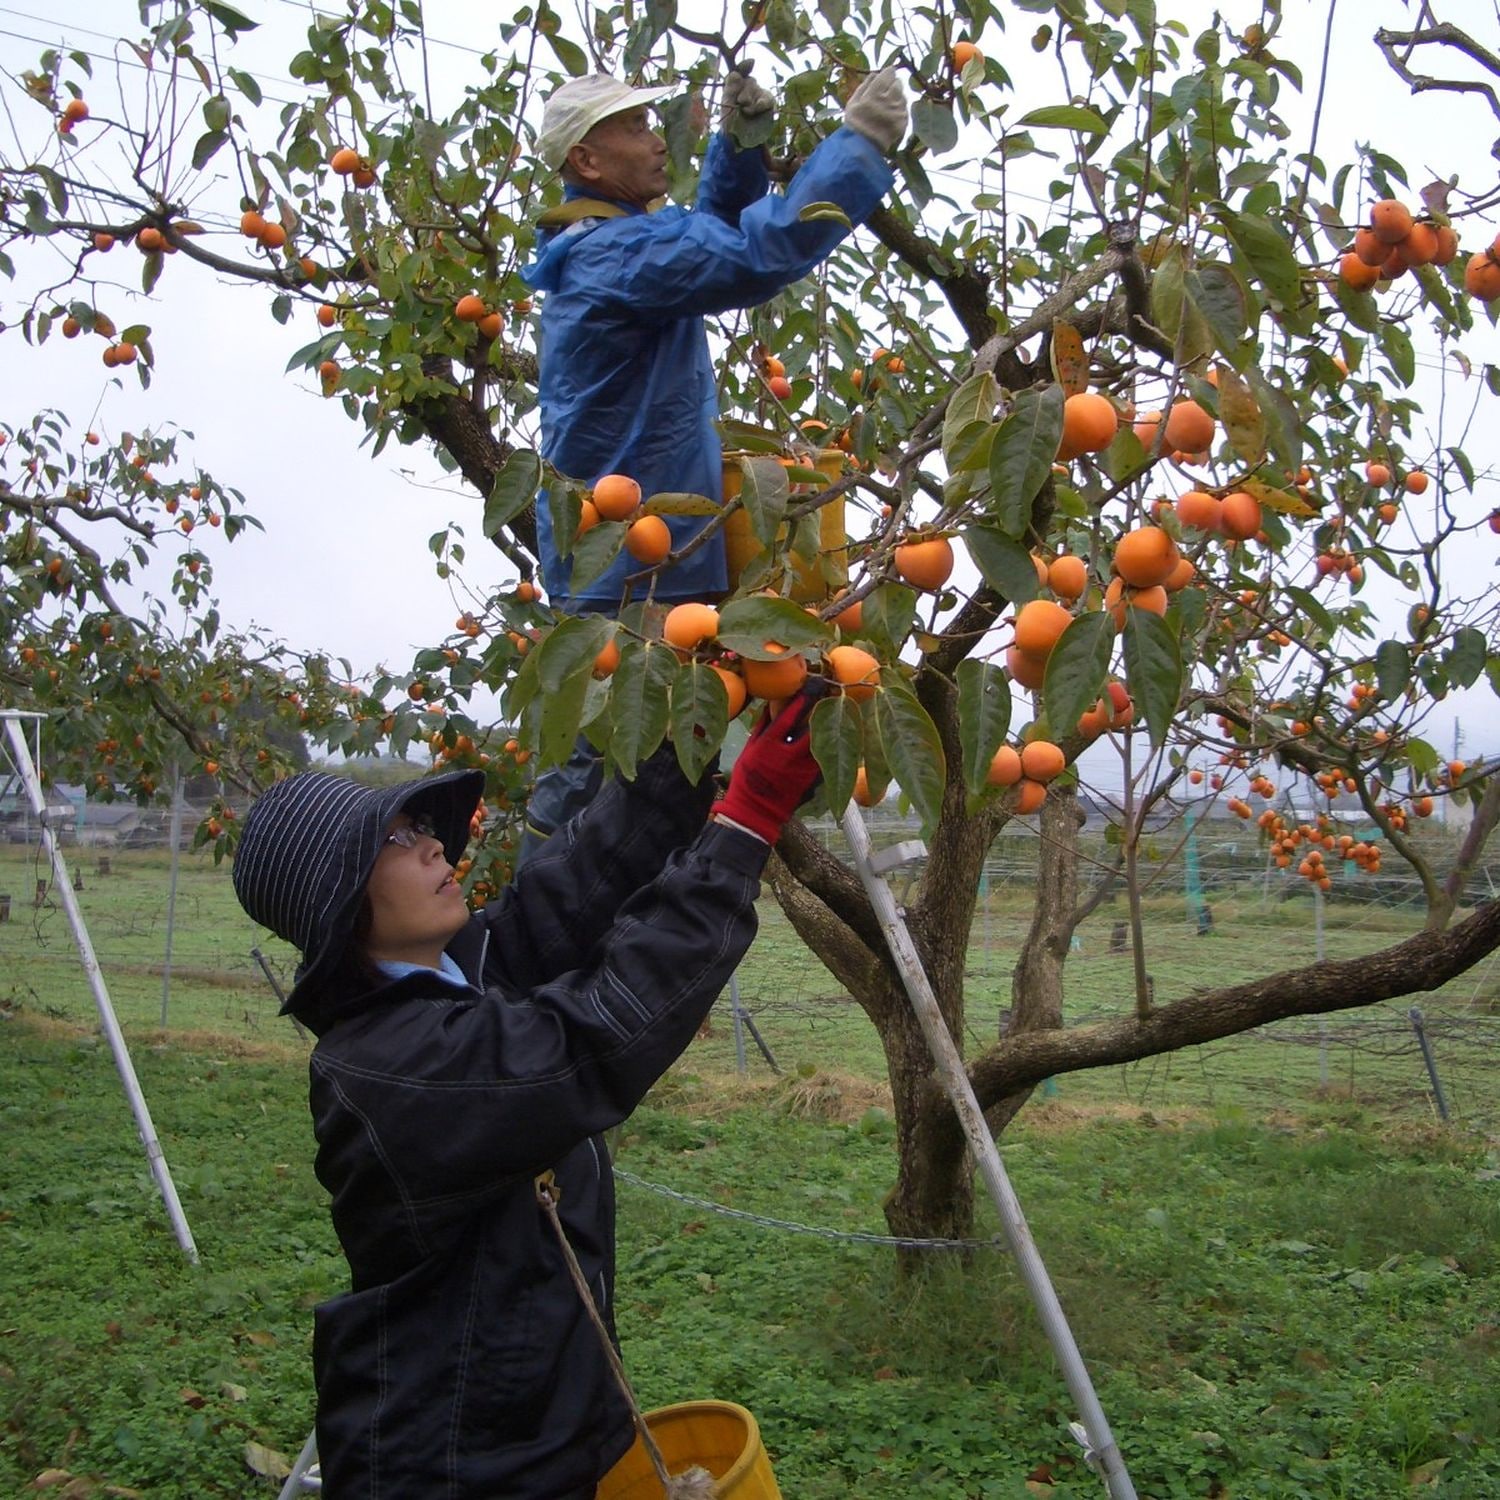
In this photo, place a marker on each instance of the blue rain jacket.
(627, 386)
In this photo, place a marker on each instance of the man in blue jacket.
(627, 384)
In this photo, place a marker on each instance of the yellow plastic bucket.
(813, 579)
(715, 1435)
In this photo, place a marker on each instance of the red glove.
(776, 772)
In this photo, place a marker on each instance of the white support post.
(26, 768)
(1099, 1447)
(175, 837)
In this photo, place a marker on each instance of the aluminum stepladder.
(1100, 1450)
(305, 1478)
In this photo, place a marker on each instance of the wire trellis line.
(790, 1226)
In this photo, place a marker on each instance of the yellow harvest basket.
(813, 579)
(714, 1435)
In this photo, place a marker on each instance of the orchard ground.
(1283, 1287)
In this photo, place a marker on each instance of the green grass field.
(1283, 1287)
(800, 1011)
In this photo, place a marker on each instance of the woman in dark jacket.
(461, 1055)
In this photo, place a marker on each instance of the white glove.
(744, 99)
(877, 109)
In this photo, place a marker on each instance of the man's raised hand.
(878, 110)
(744, 99)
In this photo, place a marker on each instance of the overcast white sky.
(343, 562)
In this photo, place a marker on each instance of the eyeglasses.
(406, 837)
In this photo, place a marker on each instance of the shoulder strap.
(574, 209)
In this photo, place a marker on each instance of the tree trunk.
(1037, 980)
(1486, 816)
(933, 1194)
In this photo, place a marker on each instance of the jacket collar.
(558, 229)
(467, 949)
(579, 206)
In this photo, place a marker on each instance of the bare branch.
(43, 507)
(1444, 34)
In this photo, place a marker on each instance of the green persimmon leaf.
(1077, 669)
(837, 728)
(984, 709)
(1153, 670)
(639, 702)
(913, 749)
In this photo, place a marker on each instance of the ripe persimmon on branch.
(1108, 439)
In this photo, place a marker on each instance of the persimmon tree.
(1151, 368)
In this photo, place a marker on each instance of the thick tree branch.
(966, 629)
(831, 881)
(864, 971)
(1037, 980)
(450, 420)
(288, 275)
(44, 507)
(1042, 316)
(1423, 962)
(967, 290)
(1445, 34)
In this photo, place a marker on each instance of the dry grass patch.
(835, 1097)
(208, 1043)
(1061, 1115)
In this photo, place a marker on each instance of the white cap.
(579, 105)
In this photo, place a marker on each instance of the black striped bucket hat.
(307, 849)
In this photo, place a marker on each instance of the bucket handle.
(696, 1483)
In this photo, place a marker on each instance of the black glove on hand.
(776, 772)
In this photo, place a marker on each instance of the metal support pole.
(1414, 1015)
(1099, 1447)
(175, 835)
(739, 1025)
(760, 1041)
(276, 990)
(1322, 1020)
(107, 1020)
(743, 1019)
